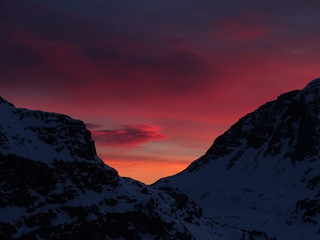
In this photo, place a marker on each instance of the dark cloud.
(44, 44)
(136, 51)
(93, 125)
(128, 136)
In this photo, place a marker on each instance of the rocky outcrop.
(263, 174)
(54, 187)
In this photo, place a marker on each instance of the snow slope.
(258, 181)
(262, 176)
(53, 187)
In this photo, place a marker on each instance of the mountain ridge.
(55, 187)
(260, 180)
(264, 170)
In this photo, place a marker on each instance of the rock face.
(54, 187)
(263, 174)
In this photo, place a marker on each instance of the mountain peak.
(3, 101)
(267, 162)
(313, 84)
(311, 92)
(23, 132)
(54, 186)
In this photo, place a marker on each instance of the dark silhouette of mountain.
(54, 187)
(260, 180)
(263, 174)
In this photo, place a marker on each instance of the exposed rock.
(273, 151)
(54, 187)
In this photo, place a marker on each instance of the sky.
(155, 81)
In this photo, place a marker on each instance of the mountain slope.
(263, 174)
(54, 187)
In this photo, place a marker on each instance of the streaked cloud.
(127, 136)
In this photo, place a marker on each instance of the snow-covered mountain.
(54, 187)
(259, 181)
(263, 174)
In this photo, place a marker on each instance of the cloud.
(232, 30)
(128, 136)
(87, 55)
(116, 66)
(93, 125)
(188, 65)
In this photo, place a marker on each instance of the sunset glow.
(155, 81)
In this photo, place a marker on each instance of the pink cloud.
(128, 136)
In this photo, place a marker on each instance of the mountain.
(262, 176)
(260, 180)
(54, 187)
